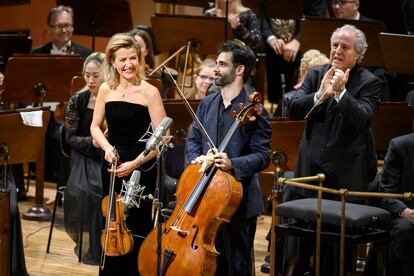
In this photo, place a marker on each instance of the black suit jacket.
(398, 173)
(77, 49)
(337, 139)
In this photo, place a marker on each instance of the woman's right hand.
(111, 155)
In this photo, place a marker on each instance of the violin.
(116, 239)
(204, 201)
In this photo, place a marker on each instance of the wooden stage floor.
(62, 260)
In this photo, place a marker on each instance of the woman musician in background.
(84, 186)
(243, 21)
(129, 104)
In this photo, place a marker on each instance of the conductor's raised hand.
(339, 80)
(325, 90)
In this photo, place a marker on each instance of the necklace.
(127, 88)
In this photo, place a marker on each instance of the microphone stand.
(158, 217)
(282, 106)
(226, 22)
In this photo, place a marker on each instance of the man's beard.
(226, 79)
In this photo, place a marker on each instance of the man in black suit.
(339, 101)
(337, 139)
(398, 177)
(60, 26)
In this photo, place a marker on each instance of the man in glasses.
(60, 26)
(347, 9)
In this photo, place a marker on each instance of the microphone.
(157, 136)
(131, 189)
(282, 80)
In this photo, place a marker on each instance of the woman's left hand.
(125, 169)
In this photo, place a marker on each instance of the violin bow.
(108, 214)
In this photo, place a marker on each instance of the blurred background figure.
(83, 196)
(204, 77)
(347, 9)
(145, 43)
(243, 21)
(310, 59)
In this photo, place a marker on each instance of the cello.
(204, 202)
(116, 238)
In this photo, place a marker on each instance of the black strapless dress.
(127, 122)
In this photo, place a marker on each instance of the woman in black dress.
(83, 195)
(129, 104)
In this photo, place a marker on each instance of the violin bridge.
(182, 232)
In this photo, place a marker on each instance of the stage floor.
(62, 259)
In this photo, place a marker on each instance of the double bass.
(204, 202)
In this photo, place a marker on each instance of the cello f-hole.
(193, 245)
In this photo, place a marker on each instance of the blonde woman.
(129, 104)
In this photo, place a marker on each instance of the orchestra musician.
(129, 104)
(83, 193)
(60, 26)
(339, 100)
(243, 21)
(203, 77)
(145, 43)
(247, 154)
(397, 177)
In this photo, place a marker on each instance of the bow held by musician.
(247, 154)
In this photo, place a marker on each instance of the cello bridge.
(179, 231)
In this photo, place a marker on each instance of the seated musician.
(282, 40)
(83, 195)
(203, 78)
(398, 177)
(243, 21)
(310, 59)
(247, 154)
(145, 43)
(60, 26)
(339, 101)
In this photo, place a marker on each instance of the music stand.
(26, 144)
(13, 44)
(99, 18)
(397, 52)
(283, 9)
(173, 31)
(196, 3)
(46, 78)
(316, 34)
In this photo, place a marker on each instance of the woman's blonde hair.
(116, 42)
(312, 58)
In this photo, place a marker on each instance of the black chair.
(65, 150)
(364, 224)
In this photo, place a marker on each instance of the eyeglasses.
(60, 27)
(204, 78)
(341, 2)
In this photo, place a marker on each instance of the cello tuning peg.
(234, 114)
(241, 105)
